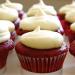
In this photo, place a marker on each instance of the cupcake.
(11, 28)
(41, 51)
(17, 6)
(46, 22)
(67, 18)
(6, 44)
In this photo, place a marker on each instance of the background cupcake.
(40, 15)
(46, 56)
(17, 6)
(67, 17)
(6, 44)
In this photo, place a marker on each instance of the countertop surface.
(13, 65)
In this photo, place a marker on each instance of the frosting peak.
(47, 9)
(42, 39)
(10, 4)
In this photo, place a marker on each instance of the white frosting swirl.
(9, 24)
(8, 13)
(72, 27)
(10, 4)
(4, 33)
(70, 16)
(67, 8)
(45, 22)
(47, 9)
(42, 39)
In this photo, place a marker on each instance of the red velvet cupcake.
(41, 15)
(66, 16)
(6, 44)
(41, 51)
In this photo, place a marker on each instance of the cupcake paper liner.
(3, 58)
(42, 65)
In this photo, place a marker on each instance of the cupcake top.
(67, 8)
(14, 5)
(70, 16)
(42, 39)
(47, 22)
(9, 25)
(4, 32)
(47, 9)
(72, 27)
(8, 13)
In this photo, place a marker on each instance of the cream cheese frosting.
(67, 8)
(70, 16)
(4, 33)
(14, 5)
(42, 39)
(9, 24)
(46, 8)
(45, 22)
(8, 13)
(72, 27)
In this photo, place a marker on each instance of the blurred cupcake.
(17, 6)
(6, 44)
(67, 18)
(46, 22)
(11, 28)
(41, 51)
(48, 9)
(72, 40)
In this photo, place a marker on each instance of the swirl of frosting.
(9, 24)
(42, 39)
(8, 13)
(72, 27)
(45, 22)
(10, 4)
(47, 9)
(67, 8)
(4, 33)
(70, 16)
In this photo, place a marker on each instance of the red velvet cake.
(39, 51)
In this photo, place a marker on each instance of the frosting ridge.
(45, 22)
(42, 39)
